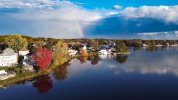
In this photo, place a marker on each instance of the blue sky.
(120, 19)
(107, 4)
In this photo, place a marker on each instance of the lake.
(142, 75)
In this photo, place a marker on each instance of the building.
(8, 57)
(72, 52)
(24, 52)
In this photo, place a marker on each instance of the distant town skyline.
(118, 19)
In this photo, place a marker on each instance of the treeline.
(49, 42)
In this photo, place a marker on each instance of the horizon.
(74, 19)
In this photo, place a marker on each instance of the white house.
(103, 52)
(2, 72)
(8, 57)
(84, 47)
(24, 52)
(72, 52)
(145, 45)
(159, 45)
(4, 75)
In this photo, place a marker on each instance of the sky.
(115, 19)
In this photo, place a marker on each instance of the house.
(145, 45)
(159, 45)
(3, 72)
(83, 47)
(8, 57)
(174, 45)
(4, 75)
(104, 51)
(72, 52)
(24, 52)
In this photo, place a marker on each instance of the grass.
(25, 75)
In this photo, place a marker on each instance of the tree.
(137, 43)
(60, 54)
(42, 57)
(95, 45)
(16, 42)
(83, 53)
(121, 48)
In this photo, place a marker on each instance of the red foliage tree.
(42, 57)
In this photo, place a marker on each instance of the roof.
(8, 52)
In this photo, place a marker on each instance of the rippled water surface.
(143, 75)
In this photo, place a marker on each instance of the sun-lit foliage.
(42, 57)
(16, 42)
(60, 54)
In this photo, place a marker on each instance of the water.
(148, 75)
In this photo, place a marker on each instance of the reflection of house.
(8, 57)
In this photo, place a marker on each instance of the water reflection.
(60, 73)
(94, 59)
(83, 59)
(158, 61)
(121, 58)
(43, 84)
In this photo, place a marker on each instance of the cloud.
(157, 35)
(66, 19)
(166, 13)
(57, 19)
(117, 7)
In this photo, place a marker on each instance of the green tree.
(121, 48)
(60, 54)
(16, 42)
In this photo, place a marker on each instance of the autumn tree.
(60, 54)
(42, 57)
(83, 53)
(95, 45)
(16, 42)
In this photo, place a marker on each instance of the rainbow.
(79, 29)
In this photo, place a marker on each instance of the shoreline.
(27, 76)
(31, 75)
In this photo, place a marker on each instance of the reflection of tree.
(60, 73)
(136, 48)
(151, 49)
(83, 59)
(95, 59)
(121, 58)
(43, 84)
